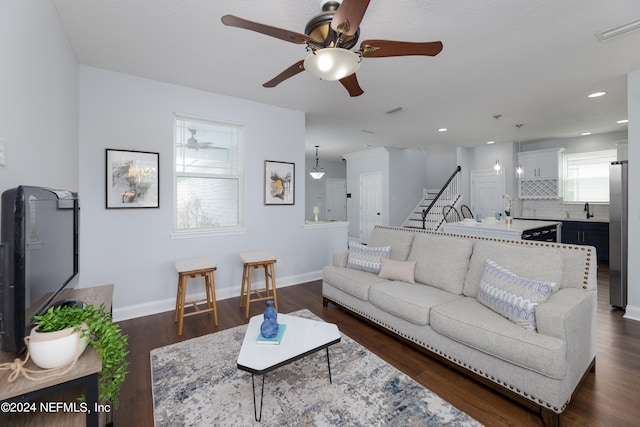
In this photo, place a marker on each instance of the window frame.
(239, 228)
(610, 153)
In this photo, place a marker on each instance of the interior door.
(487, 189)
(336, 190)
(370, 203)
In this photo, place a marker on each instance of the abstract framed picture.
(279, 183)
(132, 179)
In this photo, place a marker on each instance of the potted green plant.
(105, 336)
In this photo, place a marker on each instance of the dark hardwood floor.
(608, 397)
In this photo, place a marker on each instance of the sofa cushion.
(471, 323)
(400, 241)
(402, 271)
(366, 258)
(441, 261)
(354, 282)
(512, 296)
(536, 263)
(406, 301)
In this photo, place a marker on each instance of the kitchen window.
(586, 176)
(208, 176)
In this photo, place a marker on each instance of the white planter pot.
(54, 349)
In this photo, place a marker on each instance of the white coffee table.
(301, 338)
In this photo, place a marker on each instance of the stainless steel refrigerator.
(618, 231)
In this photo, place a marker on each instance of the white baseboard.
(169, 304)
(632, 312)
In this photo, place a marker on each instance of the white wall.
(133, 248)
(38, 98)
(633, 99)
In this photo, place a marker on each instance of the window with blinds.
(208, 175)
(586, 176)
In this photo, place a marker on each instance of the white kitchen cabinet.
(541, 163)
(542, 176)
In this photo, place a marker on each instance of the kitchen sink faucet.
(586, 209)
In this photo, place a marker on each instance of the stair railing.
(448, 195)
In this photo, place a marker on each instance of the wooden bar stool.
(192, 268)
(251, 261)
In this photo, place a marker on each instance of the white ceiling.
(533, 62)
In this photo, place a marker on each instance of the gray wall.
(38, 98)
(407, 179)
(404, 175)
(58, 119)
(135, 248)
(316, 189)
(633, 307)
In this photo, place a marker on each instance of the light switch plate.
(3, 154)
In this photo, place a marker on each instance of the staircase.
(428, 213)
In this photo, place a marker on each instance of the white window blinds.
(586, 176)
(208, 175)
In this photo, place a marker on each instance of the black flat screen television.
(38, 257)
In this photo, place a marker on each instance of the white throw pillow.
(397, 270)
(512, 296)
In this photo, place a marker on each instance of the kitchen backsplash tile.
(555, 209)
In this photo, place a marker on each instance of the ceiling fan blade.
(383, 48)
(279, 33)
(348, 16)
(350, 83)
(296, 68)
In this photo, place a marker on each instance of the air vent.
(396, 110)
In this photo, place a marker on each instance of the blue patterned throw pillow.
(512, 296)
(366, 258)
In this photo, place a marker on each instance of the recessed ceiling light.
(596, 94)
(622, 121)
(442, 130)
(491, 142)
(585, 133)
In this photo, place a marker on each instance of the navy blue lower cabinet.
(588, 233)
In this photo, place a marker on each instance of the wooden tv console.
(22, 403)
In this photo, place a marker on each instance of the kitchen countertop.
(495, 228)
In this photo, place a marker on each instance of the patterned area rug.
(197, 383)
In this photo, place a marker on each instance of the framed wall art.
(279, 183)
(132, 179)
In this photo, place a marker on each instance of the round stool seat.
(194, 264)
(258, 256)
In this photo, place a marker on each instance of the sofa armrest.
(570, 314)
(565, 310)
(340, 259)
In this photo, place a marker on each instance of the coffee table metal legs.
(258, 413)
(255, 406)
(329, 365)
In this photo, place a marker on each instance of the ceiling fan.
(193, 143)
(329, 37)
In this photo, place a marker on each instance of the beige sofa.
(442, 315)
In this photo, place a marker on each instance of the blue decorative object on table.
(269, 327)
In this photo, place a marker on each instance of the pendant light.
(316, 172)
(519, 169)
(497, 167)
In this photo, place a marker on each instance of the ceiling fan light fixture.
(332, 63)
